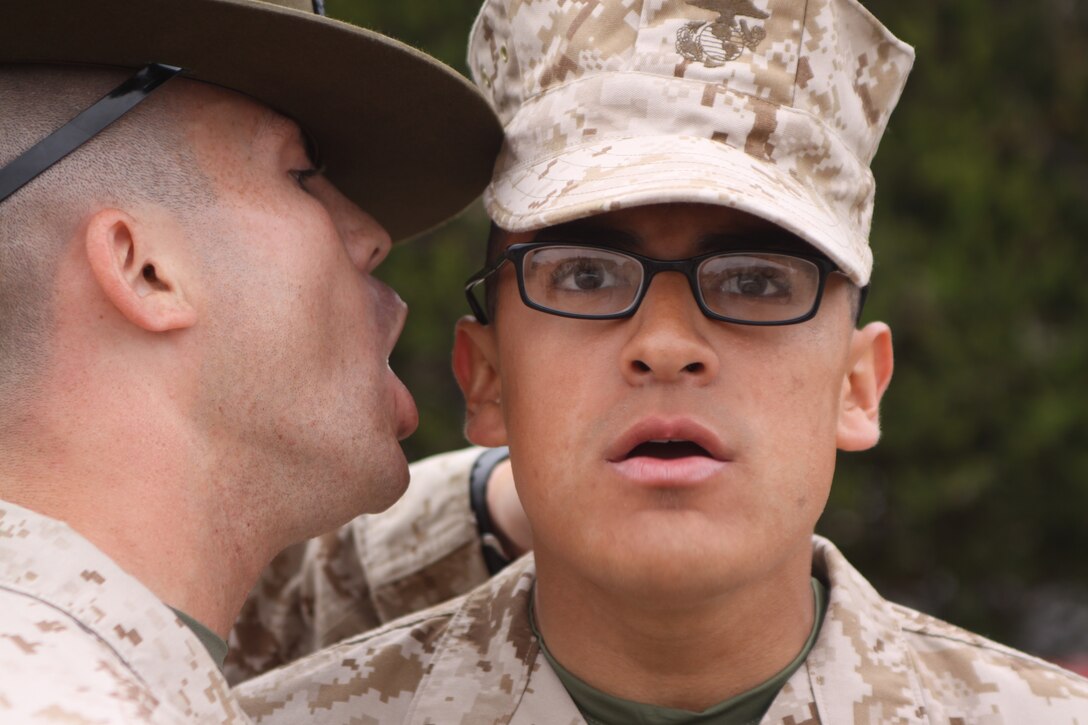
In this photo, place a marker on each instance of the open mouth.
(669, 458)
(668, 450)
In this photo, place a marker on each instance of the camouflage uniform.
(81, 641)
(475, 661)
(424, 550)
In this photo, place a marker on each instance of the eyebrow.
(777, 239)
(589, 232)
(286, 129)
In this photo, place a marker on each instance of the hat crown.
(772, 107)
(830, 58)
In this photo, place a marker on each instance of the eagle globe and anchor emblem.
(714, 43)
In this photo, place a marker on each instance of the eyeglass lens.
(755, 287)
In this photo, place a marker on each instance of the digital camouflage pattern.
(425, 549)
(773, 107)
(84, 643)
(474, 661)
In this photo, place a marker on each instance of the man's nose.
(367, 242)
(668, 342)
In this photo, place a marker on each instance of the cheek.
(554, 395)
(544, 396)
(795, 415)
(795, 403)
(322, 292)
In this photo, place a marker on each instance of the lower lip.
(648, 471)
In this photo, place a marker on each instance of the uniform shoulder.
(484, 636)
(969, 675)
(432, 519)
(56, 671)
(896, 658)
(378, 671)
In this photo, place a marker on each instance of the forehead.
(670, 228)
(225, 125)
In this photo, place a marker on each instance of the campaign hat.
(772, 107)
(404, 136)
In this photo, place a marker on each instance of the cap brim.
(404, 136)
(629, 172)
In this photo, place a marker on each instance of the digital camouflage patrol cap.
(402, 135)
(772, 107)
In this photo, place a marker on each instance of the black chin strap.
(82, 128)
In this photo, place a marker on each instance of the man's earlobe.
(136, 272)
(476, 370)
(871, 363)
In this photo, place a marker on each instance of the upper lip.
(668, 429)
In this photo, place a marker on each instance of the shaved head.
(142, 158)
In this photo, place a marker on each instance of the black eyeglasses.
(81, 129)
(599, 283)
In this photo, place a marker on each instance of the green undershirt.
(599, 708)
(216, 645)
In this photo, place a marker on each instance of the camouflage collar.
(44, 559)
(491, 625)
(860, 661)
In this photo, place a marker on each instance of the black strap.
(81, 129)
(494, 556)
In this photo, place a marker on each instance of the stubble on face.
(297, 404)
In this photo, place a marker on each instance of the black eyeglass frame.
(515, 254)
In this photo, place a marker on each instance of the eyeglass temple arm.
(81, 129)
(863, 294)
(477, 311)
(479, 278)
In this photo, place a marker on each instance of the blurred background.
(974, 507)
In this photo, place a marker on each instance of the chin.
(667, 583)
(383, 483)
(382, 497)
(361, 486)
(668, 563)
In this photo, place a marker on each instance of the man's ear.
(476, 370)
(870, 371)
(138, 271)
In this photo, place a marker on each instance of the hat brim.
(623, 173)
(402, 135)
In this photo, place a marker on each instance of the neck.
(689, 653)
(143, 493)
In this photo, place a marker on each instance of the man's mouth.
(659, 452)
(668, 450)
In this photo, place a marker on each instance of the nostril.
(694, 368)
(641, 366)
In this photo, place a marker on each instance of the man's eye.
(758, 283)
(583, 275)
(301, 176)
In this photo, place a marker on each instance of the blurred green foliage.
(975, 504)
